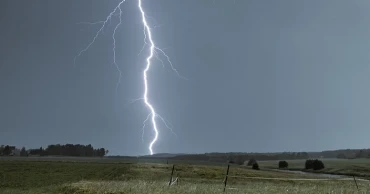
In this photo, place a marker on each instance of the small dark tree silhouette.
(314, 164)
(309, 164)
(23, 152)
(7, 151)
(255, 166)
(42, 151)
(318, 165)
(283, 164)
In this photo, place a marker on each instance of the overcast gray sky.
(262, 75)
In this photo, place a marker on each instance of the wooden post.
(177, 177)
(355, 181)
(173, 168)
(227, 174)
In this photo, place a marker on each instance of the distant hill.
(165, 155)
(159, 155)
(240, 158)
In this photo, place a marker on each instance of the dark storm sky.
(262, 75)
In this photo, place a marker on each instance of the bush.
(251, 162)
(255, 166)
(314, 164)
(308, 164)
(318, 165)
(283, 164)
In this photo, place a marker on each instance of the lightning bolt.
(148, 34)
(154, 51)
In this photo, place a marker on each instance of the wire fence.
(175, 178)
(299, 179)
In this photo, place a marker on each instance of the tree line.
(56, 150)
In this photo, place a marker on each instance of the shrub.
(255, 166)
(318, 165)
(283, 164)
(314, 164)
(308, 164)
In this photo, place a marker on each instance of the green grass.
(247, 187)
(30, 174)
(94, 177)
(350, 167)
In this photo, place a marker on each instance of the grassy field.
(103, 177)
(350, 167)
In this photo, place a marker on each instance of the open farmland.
(86, 177)
(349, 167)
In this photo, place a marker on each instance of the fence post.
(355, 181)
(227, 174)
(173, 168)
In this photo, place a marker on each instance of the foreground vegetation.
(96, 177)
(157, 187)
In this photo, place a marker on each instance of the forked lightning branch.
(154, 51)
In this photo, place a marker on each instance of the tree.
(362, 154)
(42, 152)
(314, 164)
(7, 150)
(318, 165)
(23, 152)
(255, 166)
(2, 150)
(308, 164)
(69, 150)
(283, 164)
